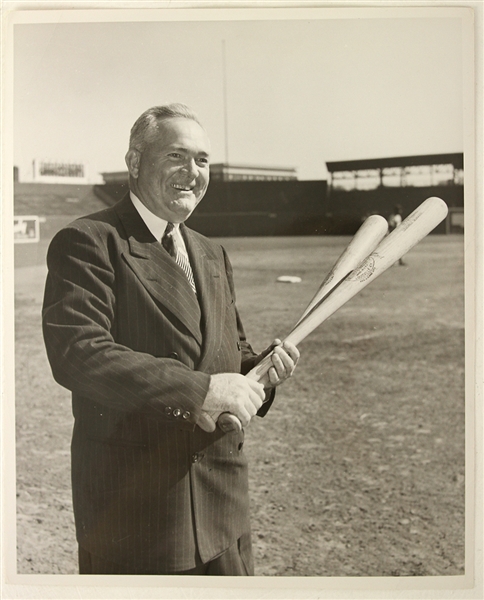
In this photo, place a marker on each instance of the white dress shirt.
(157, 225)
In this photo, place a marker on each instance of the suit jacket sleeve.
(78, 318)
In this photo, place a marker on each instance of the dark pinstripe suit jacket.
(125, 333)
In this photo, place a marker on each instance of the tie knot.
(168, 241)
(169, 229)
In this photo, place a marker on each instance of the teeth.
(181, 187)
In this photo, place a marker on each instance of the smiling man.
(140, 323)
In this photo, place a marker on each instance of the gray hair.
(146, 127)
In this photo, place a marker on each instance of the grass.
(357, 470)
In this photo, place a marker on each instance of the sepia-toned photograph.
(240, 338)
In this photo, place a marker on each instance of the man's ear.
(132, 159)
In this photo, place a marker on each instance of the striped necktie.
(168, 242)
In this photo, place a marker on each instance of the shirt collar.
(155, 224)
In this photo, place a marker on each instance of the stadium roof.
(456, 159)
(224, 165)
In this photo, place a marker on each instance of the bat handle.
(229, 422)
(259, 372)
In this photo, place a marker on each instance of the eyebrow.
(183, 149)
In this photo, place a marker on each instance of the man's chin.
(183, 207)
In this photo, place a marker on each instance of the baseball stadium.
(359, 469)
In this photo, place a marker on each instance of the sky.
(299, 91)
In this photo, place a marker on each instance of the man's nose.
(191, 167)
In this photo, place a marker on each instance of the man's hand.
(284, 360)
(233, 393)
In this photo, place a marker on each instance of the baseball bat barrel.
(409, 233)
(365, 240)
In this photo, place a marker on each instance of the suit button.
(185, 415)
(174, 355)
(177, 412)
(168, 410)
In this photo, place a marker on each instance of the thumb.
(206, 422)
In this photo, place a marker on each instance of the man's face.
(171, 175)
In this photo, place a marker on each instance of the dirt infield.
(357, 470)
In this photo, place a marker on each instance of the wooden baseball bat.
(411, 231)
(365, 240)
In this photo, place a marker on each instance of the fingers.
(245, 416)
(273, 377)
(232, 393)
(292, 350)
(243, 413)
(256, 393)
(284, 360)
(252, 404)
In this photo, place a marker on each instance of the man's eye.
(202, 161)
(175, 155)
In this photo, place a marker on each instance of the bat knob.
(228, 422)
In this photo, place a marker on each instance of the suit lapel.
(157, 271)
(210, 285)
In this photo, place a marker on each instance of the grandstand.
(45, 199)
(292, 207)
(246, 208)
(359, 188)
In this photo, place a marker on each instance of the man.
(140, 323)
(394, 220)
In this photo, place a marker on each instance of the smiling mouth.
(182, 188)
